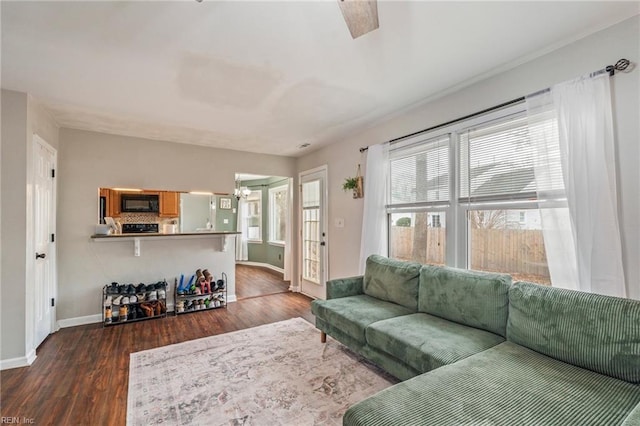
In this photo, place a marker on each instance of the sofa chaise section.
(571, 358)
(505, 385)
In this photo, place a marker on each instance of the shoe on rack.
(131, 289)
(113, 288)
(108, 301)
(162, 294)
(141, 297)
(133, 299)
(152, 296)
(125, 300)
(117, 300)
(141, 288)
(147, 309)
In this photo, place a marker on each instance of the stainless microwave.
(139, 203)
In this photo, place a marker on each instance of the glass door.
(313, 257)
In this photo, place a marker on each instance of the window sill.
(276, 243)
(254, 241)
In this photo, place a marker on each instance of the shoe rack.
(201, 293)
(124, 303)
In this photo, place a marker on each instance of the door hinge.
(53, 302)
(53, 173)
(53, 238)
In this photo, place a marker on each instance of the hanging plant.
(355, 184)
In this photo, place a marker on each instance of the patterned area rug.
(275, 374)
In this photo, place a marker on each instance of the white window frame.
(457, 235)
(272, 216)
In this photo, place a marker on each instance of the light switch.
(339, 222)
(226, 221)
(234, 210)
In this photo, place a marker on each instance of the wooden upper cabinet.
(113, 203)
(169, 204)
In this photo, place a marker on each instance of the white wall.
(583, 56)
(89, 160)
(21, 118)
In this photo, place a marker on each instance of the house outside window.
(466, 196)
(277, 214)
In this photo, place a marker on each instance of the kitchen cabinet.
(169, 204)
(113, 203)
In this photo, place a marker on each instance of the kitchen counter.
(159, 234)
(221, 237)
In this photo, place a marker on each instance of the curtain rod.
(621, 65)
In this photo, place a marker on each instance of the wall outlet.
(226, 221)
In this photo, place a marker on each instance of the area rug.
(275, 374)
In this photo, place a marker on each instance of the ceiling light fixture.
(241, 192)
(361, 16)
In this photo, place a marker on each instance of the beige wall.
(21, 118)
(89, 160)
(586, 55)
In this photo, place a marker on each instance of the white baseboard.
(72, 322)
(23, 361)
(261, 265)
(231, 298)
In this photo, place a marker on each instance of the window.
(419, 174)
(468, 196)
(254, 217)
(277, 214)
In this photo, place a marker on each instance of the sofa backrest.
(596, 332)
(392, 280)
(476, 299)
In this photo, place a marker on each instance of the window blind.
(419, 173)
(496, 161)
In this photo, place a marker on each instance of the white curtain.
(242, 248)
(571, 128)
(374, 220)
(288, 273)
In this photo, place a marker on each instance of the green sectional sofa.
(473, 349)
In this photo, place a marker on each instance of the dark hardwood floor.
(252, 281)
(80, 376)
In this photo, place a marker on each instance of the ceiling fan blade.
(361, 16)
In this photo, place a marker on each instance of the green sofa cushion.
(392, 280)
(426, 342)
(600, 333)
(343, 287)
(353, 314)
(477, 299)
(505, 385)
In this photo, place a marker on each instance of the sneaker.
(152, 296)
(108, 301)
(113, 288)
(133, 299)
(162, 294)
(125, 300)
(117, 300)
(141, 297)
(140, 288)
(131, 289)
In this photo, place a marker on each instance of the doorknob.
(41, 255)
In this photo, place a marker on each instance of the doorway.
(313, 232)
(263, 246)
(44, 158)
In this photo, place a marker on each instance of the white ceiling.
(265, 76)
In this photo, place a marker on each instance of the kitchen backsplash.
(144, 218)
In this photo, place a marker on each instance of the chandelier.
(241, 192)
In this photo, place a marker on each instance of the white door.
(44, 207)
(313, 237)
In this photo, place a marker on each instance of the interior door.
(44, 207)
(313, 236)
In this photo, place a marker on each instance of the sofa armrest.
(633, 419)
(343, 287)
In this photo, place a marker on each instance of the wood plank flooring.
(252, 281)
(81, 374)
